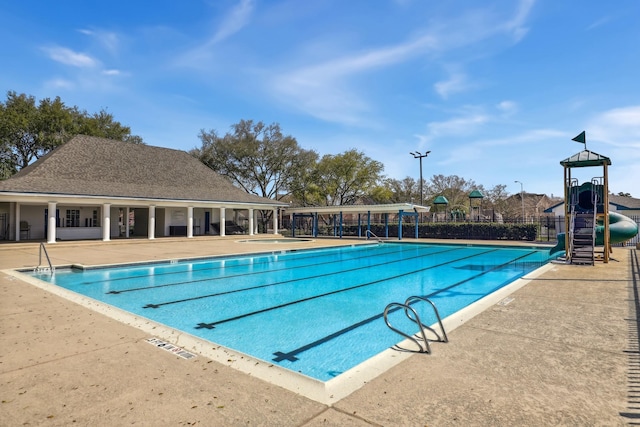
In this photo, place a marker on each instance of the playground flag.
(582, 138)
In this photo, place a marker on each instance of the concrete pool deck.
(563, 351)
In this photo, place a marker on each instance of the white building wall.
(34, 215)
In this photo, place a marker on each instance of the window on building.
(96, 223)
(73, 218)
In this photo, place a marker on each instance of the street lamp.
(521, 197)
(417, 155)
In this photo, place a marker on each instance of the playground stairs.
(583, 240)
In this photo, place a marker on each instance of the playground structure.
(592, 229)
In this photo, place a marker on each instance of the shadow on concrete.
(633, 350)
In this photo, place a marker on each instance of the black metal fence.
(540, 229)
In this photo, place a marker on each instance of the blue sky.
(494, 89)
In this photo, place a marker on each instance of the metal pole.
(418, 155)
(521, 198)
(421, 192)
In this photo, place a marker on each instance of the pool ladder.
(420, 339)
(370, 234)
(40, 268)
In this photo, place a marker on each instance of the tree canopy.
(263, 161)
(256, 157)
(344, 178)
(30, 129)
(260, 159)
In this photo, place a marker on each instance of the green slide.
(621, 229)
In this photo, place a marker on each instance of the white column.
(275, 221)
(151, 232)
(126, 222)
(251, 221)
(223, 220)
(51, 222)
(17, 224)
(106, 222)
(189, 222)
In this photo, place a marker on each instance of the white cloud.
(457, 126)
(619, 130)
(516, 26)
(600, 22)
(201, 56)
(507, 107)
(348, 65)
(327, 90)
(234, 21)
(456, 83)
(323, 91)
(618, 127)
(466, 122)
(107, 39)
(69, 57)
(59, 83)
(527, 137)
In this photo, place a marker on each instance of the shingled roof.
(624, 202)
(91, 166)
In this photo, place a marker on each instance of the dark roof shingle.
(91, 166)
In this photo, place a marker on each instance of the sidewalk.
(564, 351)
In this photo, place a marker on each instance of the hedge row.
(458, 230)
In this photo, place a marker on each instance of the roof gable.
(585, 158)
(91, 166)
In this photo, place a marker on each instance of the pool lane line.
(212, 325)
(144, 288)
(167, 273)
(298, 279)
(256, 273)
(291, 355)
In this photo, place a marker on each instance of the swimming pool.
(317, 312)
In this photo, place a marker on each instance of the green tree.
(456, 189)
(344, 178)
(256, 157)
(381, 194)
(18, 133)
(259, 159)
(28, 130)
(104, 125)
(403, 191)
(496, 199)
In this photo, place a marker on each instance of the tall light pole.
(521, 197)
(417, 155)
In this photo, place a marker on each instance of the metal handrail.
(574, 194)
(39, 268)
(427, 347)
(594, 183)
(415, 298)
(369, 232)
(572, 226)
(412, 315)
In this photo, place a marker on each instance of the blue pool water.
(317, 312)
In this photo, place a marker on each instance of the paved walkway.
(564, 351)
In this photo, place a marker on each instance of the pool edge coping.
(328, 392)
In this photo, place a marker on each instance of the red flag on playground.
(580, 138)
